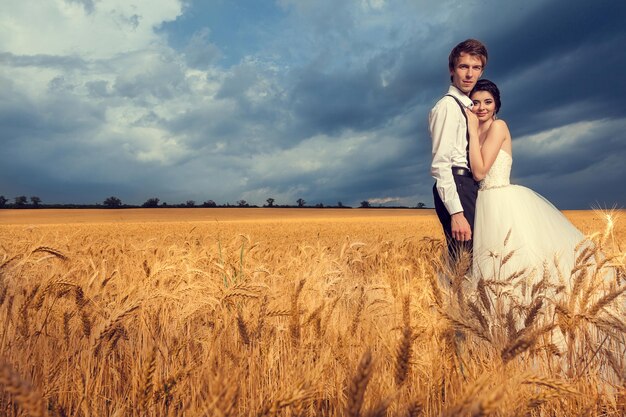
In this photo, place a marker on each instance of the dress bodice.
(500, 172)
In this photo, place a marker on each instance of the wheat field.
(243, 312)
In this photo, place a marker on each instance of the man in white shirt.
(455, 190)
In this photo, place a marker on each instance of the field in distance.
(358, 223)
(588, 221)
(291, 312)
(59, 216)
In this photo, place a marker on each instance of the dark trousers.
(468, 191)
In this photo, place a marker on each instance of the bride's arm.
(481, 159)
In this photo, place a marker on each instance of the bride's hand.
(472, 120)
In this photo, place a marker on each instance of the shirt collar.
(465, 100)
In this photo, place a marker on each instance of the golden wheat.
(301, 316)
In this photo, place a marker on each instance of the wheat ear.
(358, 385)
(21, 391)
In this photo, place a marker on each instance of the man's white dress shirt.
(448, 131)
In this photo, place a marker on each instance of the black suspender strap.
(466, 128)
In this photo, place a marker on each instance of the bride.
(516, 229)
(525, 252)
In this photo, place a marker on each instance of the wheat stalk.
(242, 327)
(148, 381)
(51, 251)
(605, 301)
(533, 312)
(358, 385)
(523, 343)
(21, 391)
(414, 409)
(113, 330)
(359, 310)
(403, 356)
(294, 323)
(293, 398)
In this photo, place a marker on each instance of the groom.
(455, 190)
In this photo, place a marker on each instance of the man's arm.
(443, 129)
(461, 229)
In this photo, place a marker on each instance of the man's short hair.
(469, 46)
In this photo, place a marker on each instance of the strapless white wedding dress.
(517, 236)
(516, 229)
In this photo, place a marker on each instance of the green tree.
(300, 202)
(209, 203)
(190, 203)
(3, 201)
(365, 204)
(270, 202)
(242, 203)
(35, 200)
(421, 205)
(112, 202)
(151, 202)
(20, 201)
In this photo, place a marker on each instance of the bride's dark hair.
(488, 86)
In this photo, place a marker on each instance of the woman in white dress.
(515, 229)
(535, 262)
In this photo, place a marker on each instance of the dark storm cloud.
(46, 61)
(98, 89)
(559, 66)
(552, 30)
(384, 96)
(88, 5)
(240, 80)
(329, 103)
(332, 106)
(597, 184)
(551, 72)
(50, 148)
(348, 167)
(582, 146)
(580, 85)
(15, 112)
(200, 52)
(22, 118)
(162, 82)
(543, 62)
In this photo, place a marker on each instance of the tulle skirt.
(515, 230)
(525, 254)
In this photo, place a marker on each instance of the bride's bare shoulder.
(499, 125)
(499, 122)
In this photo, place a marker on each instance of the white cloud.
(571, 138)
(555, 140)
(58, 27)
(384, 200)
(333, 101)
(105, 55)
(374, 4)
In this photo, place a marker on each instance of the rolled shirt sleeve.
(447, 131)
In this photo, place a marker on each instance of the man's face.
(467, 71)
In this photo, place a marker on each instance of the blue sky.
(321, 100)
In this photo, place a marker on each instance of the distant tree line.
(20, 202)
(154, 202)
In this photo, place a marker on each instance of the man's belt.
(463, 172)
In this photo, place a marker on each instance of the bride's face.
(484, 105)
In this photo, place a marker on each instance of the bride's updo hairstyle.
(488, 86)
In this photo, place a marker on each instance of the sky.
(322, 100)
